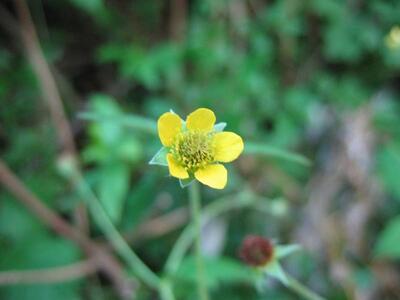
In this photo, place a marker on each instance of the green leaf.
(129, 149)
(113, 187)
(35, 253)
(388, 244)
(44, 251)
(97, 9)
(138, 202)
(59, 291)
(269, 151)
(135, 122)
(91, 6)
(388, 165)
(16, 223)
(106, 131)
(160, 158)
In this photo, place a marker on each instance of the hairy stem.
(302, 290)
(195, 203)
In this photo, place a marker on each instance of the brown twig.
(50, 92)
(178, 11)
(50, 275)
(159, 226)
(45, 78)
(104, 261)
(46, 215)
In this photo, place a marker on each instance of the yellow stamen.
(193, 149)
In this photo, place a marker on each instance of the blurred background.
(313, 87)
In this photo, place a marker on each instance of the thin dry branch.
(105, 262)
(46, 215)
(46, 80)
(50, 92)
(158, 226)
(178, 11)
(50, 275)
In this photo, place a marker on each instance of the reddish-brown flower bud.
(256, 251)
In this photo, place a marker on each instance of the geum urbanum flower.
(196, 148)
(264, 256)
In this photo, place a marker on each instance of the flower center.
(193, 149)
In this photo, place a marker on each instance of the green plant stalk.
(195, 205)
(103, 221)
(166, 291)
(302, 290)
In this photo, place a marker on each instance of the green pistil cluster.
(193, 149)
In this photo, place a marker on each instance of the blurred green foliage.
(285, 74)
(114, 151)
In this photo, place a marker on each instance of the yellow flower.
(196, 148)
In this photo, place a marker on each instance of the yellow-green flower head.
(196, 149)
(392, 39)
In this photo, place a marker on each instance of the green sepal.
(160, 158)
(275, 270)
(219, 126)
(282, 251)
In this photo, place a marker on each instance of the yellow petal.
(201, 119)
(169, 125)
(214, 176)
(175, 169)
(228, 146)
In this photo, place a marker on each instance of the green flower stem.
(195, 204)
(302, 290)
(166, 291)
(103, 221)
(210, 211)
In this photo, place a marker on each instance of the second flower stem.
(302, 290)
(114, 237)
(195, 204)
